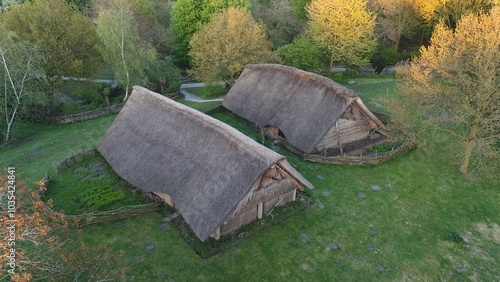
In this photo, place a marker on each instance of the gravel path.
(194, 98)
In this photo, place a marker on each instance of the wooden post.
(260, 207)
(217, 233)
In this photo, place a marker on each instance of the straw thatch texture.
(206, 166)
(303, 105)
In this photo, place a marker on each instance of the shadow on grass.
(212, 247)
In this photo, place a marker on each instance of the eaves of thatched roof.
(206, 166)
(303, 105)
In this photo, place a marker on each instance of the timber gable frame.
(313, 113)
(217, 178)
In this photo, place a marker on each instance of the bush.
(164, 77)
(304, 54)
(382, 57)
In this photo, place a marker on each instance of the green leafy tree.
(68, 38)
(188, 16)
(280, 19)
(21, 72)
(121, 47)
(304, 54)
(223, 47)
(454, 87)
(345, 27)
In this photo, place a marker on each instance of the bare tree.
(21, 73)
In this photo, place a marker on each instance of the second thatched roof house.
(313, 113)
(217, 178)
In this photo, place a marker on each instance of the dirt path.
(194, 98)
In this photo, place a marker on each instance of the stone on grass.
(334, 246)
(364, 257)
(380, 268)
(371, 246)
(361, 195)
(138, 259)
(150, 248)
(326, 193)
(320, 177)
(170, 217)
(376, 188)
(373, 232)
(321, 206)
(303, 237)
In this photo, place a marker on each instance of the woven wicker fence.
(87, 115)
(76, 158)
(97, 217)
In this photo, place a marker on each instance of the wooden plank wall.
(351, 126)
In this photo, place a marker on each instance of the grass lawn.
(208, 93)
(414, 218)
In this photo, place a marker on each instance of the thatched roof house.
(313, 113)
(216, 177)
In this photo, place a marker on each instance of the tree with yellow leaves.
(231, 40)
(454, 87)
(345, 27)
(395, 19)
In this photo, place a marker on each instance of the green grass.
(406, 231)
(91, 185)
(208, 93)
(373, 91)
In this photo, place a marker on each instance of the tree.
(302, 53)
(188, 16)
(21, 72)
(67, 38)
(280, 19)
(34, 238)
(396, 18)
(454, 86)
(121, 45)
(345, 27)
(223, 47)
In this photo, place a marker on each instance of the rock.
(150, 248)
(320, 177)
(371, 246)
(138, 259)
(361, 195)
(170, 217)
(321, 206)
(326, 193)
(380, 268)
(334, 246)
(364, 257)
(349, 256)
(351, 82)
(376, 188)
(373, 232)
(303, 237)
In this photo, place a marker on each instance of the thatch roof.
(206, 166)
(303, 105)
